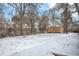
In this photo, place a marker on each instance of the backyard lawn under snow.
(40, 45)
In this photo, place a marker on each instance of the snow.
(40, 45)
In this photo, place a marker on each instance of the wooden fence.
(55, 29)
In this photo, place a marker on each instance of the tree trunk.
(65, 19)
(21, 26)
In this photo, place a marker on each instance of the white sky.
(39, 1)
(51, 5)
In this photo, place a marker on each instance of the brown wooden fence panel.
(55, 29)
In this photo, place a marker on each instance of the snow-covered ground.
(40, 45)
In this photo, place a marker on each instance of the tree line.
(28, 21)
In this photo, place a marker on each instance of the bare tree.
(65, 18)
(77, 7)
(2, 21)
(26, 11)
(43, 23)
(66, 14)
(32, 15)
